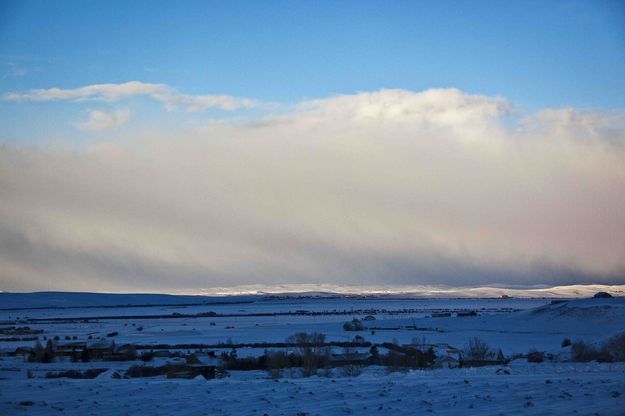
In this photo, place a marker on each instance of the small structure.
(454, 353)
(100, 349)
(349, 358)
(446, 362)
(466, 313)
(369, 318)
(23, 351)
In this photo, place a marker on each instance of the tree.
(276, 362)
(351, 368)
(354, 325)
(375, 354)
(312, 352)
(477, 350)
(84, 355)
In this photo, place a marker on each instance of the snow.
(563, 390)
(513, 325)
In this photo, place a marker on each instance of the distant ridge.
(321, 290)
(252, 293)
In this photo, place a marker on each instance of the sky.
(159, 146)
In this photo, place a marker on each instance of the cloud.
(116, 92)
(384, 187)
(99, 120)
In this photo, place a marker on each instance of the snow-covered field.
(534, 390)
(514, 326)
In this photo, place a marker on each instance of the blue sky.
(156, 146)
(536, 54)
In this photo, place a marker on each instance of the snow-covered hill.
(251, 292)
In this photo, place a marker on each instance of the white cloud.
(99, 120)
(116, 92)
(387, 187)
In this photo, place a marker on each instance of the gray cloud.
(388, 187)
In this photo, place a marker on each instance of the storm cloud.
(385, 187)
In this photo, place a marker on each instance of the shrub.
(615, 346)
(354, 325)
(566, 342)
(192, 359)
(351, 370)
(146, 356)
(477, 350)
(535, 356)
(585, 352)
(359, 339)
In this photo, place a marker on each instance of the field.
(215, 352)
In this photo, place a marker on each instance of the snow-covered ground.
(513, 325)
(532, 390)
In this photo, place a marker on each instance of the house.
(454, 353)
(100, 349)
(349, 358)
(23, 351)
(446, 362)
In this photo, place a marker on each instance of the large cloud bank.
(388, 187)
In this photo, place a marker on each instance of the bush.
(477, 350)
(615, 346)
(192, 359)
(354, 325)
(351, 370)
(566, 342)
(585, 352)
(535, 356)
(146, 356)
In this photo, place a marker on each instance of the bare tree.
(478, 350)
(311, 348)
